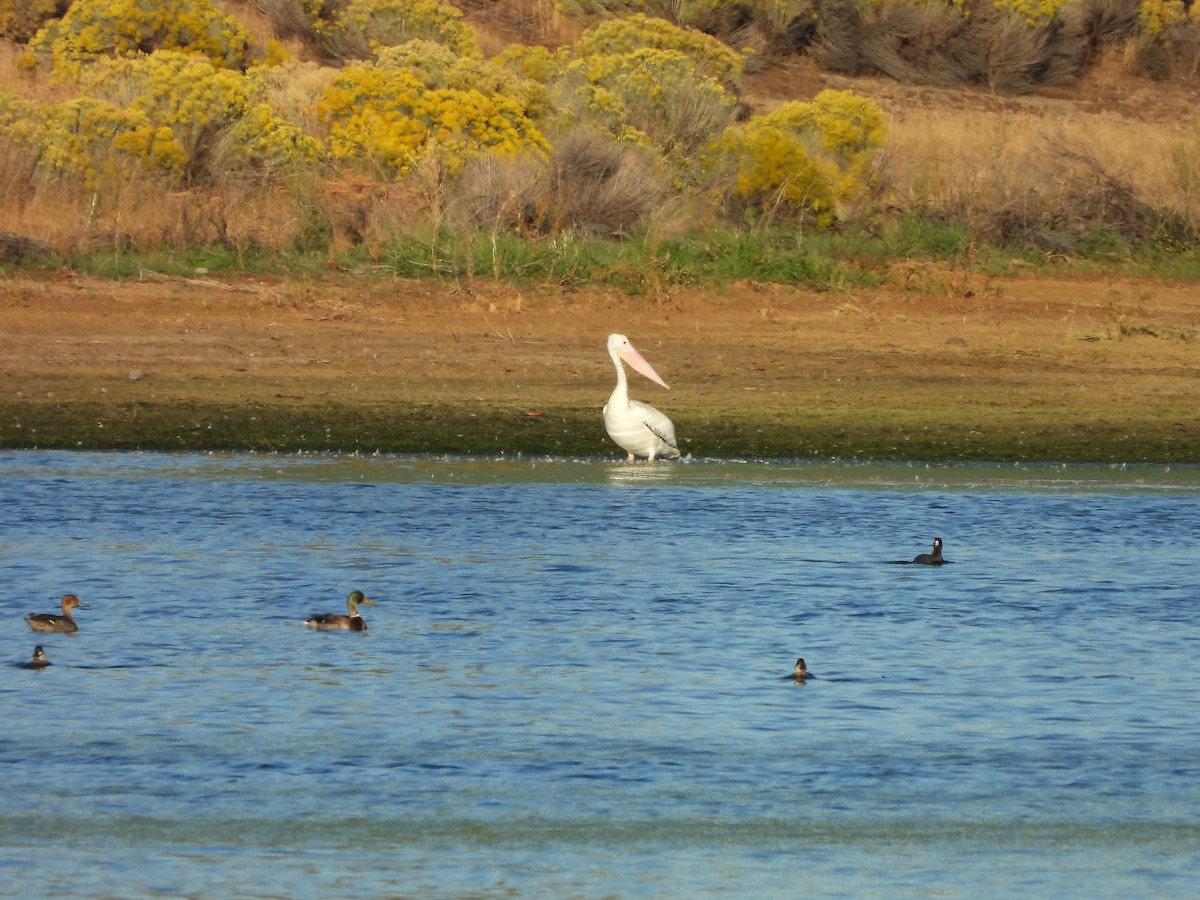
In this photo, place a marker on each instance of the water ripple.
(576, 680)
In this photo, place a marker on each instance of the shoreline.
(1030, 369)
(459, 430)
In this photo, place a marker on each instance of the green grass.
(643, 264)
(122, 263)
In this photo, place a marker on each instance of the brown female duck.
(48, 622)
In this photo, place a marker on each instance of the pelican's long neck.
(620, 394)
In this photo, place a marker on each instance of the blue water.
(574, 682)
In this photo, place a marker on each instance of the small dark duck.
(931, 559)
(49, 622)
(925, 559)
(800, 673)
(336, 621)
(39, 660)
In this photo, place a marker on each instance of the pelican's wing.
(656, 421)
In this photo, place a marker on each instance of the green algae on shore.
(1147, 434)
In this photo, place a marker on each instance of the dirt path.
(941, 364)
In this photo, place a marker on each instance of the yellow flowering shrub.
(97, 141)
(532, 61)
(704, 15)
(359, 27)
(845, 128)
(1157, 16)
(203, 108)
(647, 82)
(14, 108)
(22, 122)
(804, 158)
(87, 138)
(275, 54)
(388, 116)
(616, 37)
(1034, 13)
(262, 142)
(658, 94)
(604, 109)
(20, 19)
(773, 172)
(94, 29)
(440, 67)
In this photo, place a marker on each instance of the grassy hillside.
(576, 142)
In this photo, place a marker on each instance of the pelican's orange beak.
(638, 363)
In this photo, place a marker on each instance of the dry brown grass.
(500, 24)
(292, 90)
(267, 20)
(364, 213)
(913, 43)
(590, 183)
(1010, 174)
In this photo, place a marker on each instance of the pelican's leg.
(631, 458)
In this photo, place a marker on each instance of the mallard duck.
(336, 621)
(39, 660)
(50, 622)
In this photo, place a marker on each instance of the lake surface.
(575, 680)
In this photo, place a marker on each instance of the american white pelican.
(638, 428)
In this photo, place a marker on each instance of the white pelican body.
(638, 428)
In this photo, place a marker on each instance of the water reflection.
(638, 473)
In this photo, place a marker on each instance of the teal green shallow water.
(574, 683)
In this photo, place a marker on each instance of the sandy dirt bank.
(940, 364)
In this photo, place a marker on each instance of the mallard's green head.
(355, 600)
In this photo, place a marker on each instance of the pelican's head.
(620, 349)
